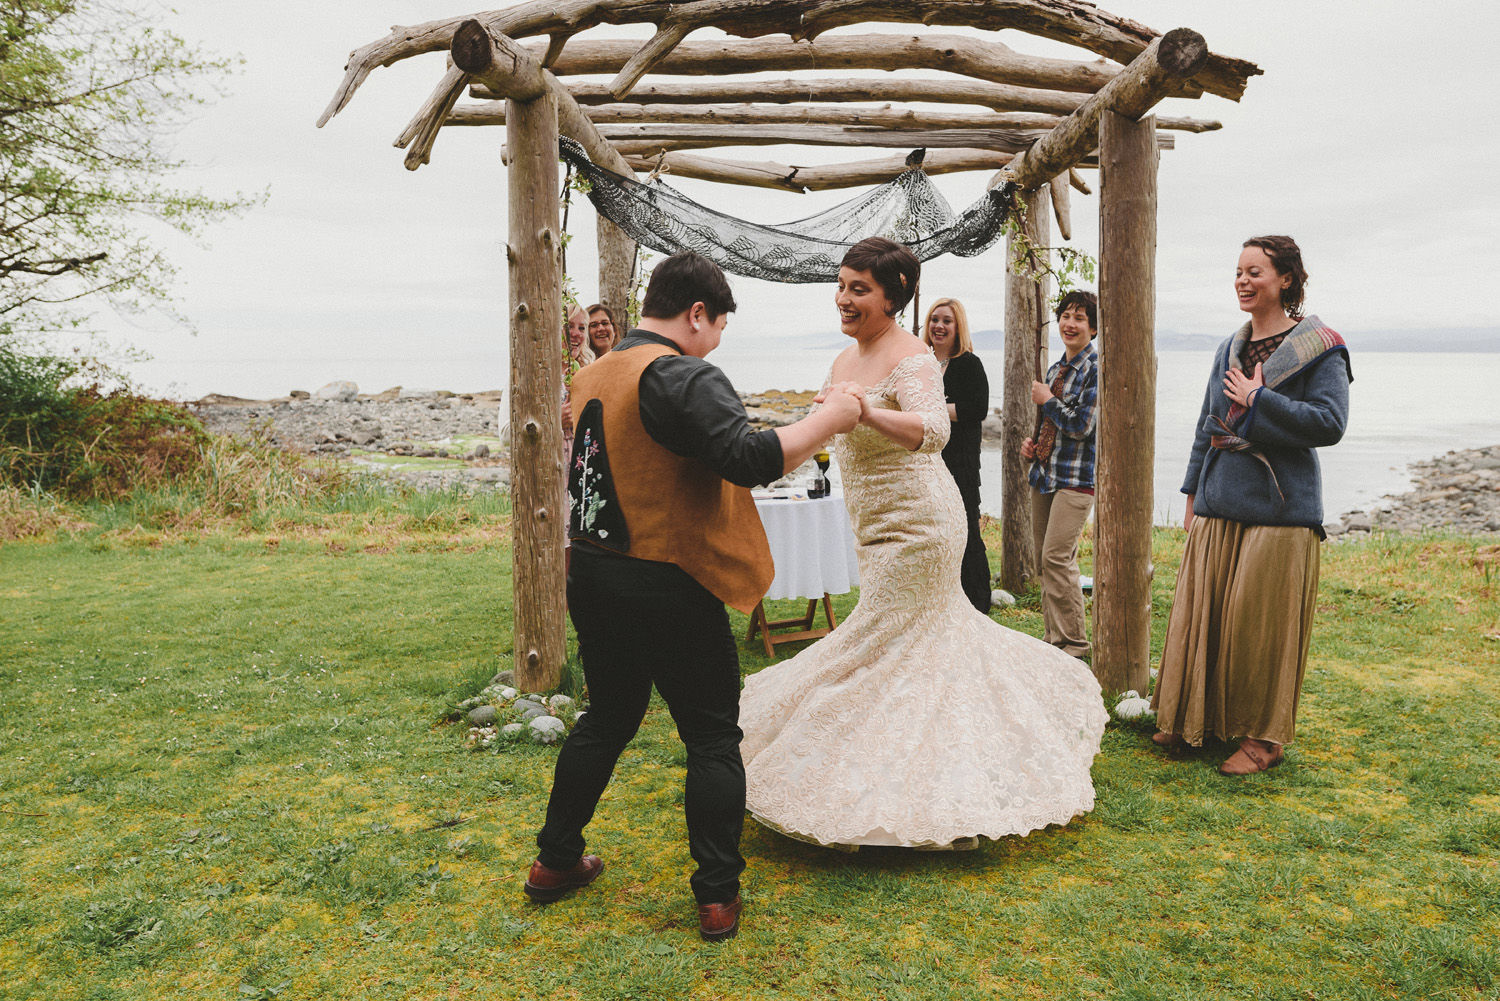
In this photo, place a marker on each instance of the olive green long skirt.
(1238, 634)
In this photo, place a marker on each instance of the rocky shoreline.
(429, 438)
(435, 438)
(1457, 492)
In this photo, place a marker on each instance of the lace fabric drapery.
(919, 721)
(908, 209)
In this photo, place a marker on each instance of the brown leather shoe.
(719, 922)
(1164, 739)
(1253, 756)
(545, 885)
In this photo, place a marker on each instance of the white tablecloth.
(812, 546)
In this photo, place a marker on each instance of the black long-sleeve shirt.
(689, 407)
(968, 388)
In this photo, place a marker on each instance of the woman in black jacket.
(968, 392)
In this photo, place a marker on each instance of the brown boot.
(545, 885)
(719, 922)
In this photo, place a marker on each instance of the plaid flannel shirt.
(1075, 413)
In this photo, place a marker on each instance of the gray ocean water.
(1403, 408)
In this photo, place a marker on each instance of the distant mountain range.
(1453, 339)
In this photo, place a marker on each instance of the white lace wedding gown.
(919, 721)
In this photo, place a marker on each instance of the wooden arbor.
(1036, 119)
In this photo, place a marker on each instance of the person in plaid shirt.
(1062, 468)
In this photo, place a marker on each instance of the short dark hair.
(1286, 258)
(894, 267)
(1084, 298)
(683, 279)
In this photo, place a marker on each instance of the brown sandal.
(1252, 758)
(1164, 739)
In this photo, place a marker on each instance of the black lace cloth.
(908, 209)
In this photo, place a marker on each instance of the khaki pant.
(1057, 521)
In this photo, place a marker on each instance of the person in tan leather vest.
(665, 534)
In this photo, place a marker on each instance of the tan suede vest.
(677, 510)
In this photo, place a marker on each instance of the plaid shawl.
(1307, 343)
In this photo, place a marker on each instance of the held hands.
(1239, 387)
(567, 416)
(1040, 393)
(1028, 448)
(846, 401)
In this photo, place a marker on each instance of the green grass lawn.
(229, 771)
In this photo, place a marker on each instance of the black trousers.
(641, 623)
(974, 574)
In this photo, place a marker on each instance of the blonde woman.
(579, 354)
(967, 391)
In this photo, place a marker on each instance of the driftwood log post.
(616, 267)
(1025, 314)
(533, 255)
(1127, 402)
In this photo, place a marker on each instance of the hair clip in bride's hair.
(903, 280)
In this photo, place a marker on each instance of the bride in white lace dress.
(919, 722)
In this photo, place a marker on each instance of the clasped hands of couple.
(846, 400)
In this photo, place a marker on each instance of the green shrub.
(82, 442)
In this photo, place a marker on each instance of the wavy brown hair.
(1286, 258)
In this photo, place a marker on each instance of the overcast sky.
(1371, 138)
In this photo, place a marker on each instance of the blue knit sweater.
(1307, 408)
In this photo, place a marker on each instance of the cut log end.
(1182, 52)
(472, 48)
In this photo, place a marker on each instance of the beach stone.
(506, 677)
(513, 728)
(1333, 529)
(387, 395)
(342, 391)
(1358, 523)
(559, 702)
(535, 712)
(417, 394)
(1132, 706)
(300, 394)
(1486, 462)
(483, 715)
(999, 596)
(481, 451)
(546, 729)
(363, 438)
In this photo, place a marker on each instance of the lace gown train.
(919, 721)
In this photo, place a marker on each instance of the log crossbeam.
(1175, 56)
(1066, 21)
(885, 117)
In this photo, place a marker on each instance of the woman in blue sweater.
(1241, 621)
